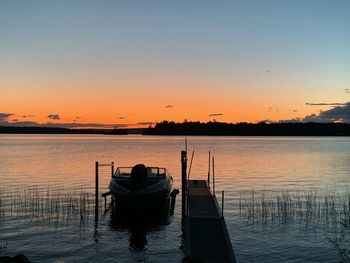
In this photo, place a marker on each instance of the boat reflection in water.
(139, 224)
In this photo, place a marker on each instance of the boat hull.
(141, 203)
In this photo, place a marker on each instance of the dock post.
(173, 194)
(112, 169)
(209, 171)
(184, 181)
(96, 191)
(213, 177)
(222, 203)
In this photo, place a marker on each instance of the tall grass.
(284, 206)
(327, 210)
(35, 204)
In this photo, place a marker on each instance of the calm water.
(40, 167)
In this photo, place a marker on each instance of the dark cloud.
(347, 90)
(338, 113)
(21, 123)
(4, 117)
(325, 104)
(295, 120)
(121, 118)
(27, 116)
(270, 109)
(145, 123)
(4, 120)
(64, 125)
(83, 125)
(169, 106)
(215, 114)
(54, 116)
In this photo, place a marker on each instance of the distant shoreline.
(202, 129)
(249, 129)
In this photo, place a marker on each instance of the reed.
(34, 204)
(284, 206)
(327, 210)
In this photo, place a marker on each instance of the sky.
(129, 63)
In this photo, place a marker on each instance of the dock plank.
(206, 238)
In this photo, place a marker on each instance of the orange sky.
(123, 64)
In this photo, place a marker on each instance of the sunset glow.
(138, 62)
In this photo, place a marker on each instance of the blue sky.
(238, 56)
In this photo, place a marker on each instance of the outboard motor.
(138, 177)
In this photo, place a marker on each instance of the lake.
(286, 198)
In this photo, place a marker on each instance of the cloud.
(215, 114)
(294, 120)
(338, 113)
(295, 110)
(121, 118)
(68, 125)
(4, 121)
(54, 116)
(146, 123)
(4, 117)
(22, 123)
(27, 116)
(169, 106)
(325, 104)
(347, 90)
(83, 125)
(76, 118)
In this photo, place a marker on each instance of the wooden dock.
(206, 236)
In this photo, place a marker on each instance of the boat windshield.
(152, 172)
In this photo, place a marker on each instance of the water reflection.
(139, 225)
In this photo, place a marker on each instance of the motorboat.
(140, 187)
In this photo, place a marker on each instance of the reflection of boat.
(139, 229)
(140, 187)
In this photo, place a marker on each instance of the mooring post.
(173, 194)
(209, 172)
(112, 170)
(184, 180)
(213, 178)
(222, 203)
(96, 191)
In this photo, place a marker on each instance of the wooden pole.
(112, 170)
(173, 194)
(184, 180)
(213, 177)
(189, 171)
(222, 203)
(96, 191)
(209, 172)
